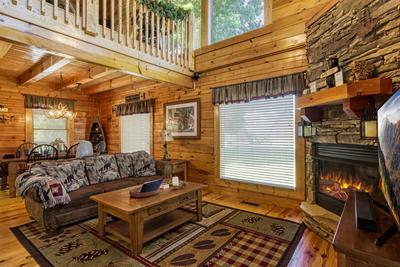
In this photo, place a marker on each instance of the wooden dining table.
(12, 167)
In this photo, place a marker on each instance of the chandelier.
(60, 111)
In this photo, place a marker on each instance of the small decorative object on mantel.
(361, 70)
(333, 76)
(305, 129)
(182, 118)
(369, 124)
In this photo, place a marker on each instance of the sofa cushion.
(70, 173)
(144, 164)
(125, 164)
(117, 184)
(81, 196)
(101, 168)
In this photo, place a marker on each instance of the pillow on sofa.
(144, 164)
(70, 173)
(101, 168)
(125, 164)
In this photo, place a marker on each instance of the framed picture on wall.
(182, 118)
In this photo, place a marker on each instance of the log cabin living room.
(200, 133)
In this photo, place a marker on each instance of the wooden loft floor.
(132, 40)
(311, 251)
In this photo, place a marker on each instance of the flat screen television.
(389, 154)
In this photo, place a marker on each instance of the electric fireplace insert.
(342, 168)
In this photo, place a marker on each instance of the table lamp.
(167, 136)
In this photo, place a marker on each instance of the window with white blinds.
(257, 142)
(135, 133)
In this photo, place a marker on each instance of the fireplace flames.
(339, 186)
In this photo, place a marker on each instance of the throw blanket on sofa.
(50, 190)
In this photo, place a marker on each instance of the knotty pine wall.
(12, 134)
(279, 50)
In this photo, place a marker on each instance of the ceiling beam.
(112, 84)
(4, 47)
(91, 74)
(44, 67)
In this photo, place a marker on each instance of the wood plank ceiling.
(29, 65)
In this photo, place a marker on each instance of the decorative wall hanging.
(5, 118)
(182, 118)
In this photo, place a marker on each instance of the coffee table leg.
(101, 215)
(199, 203)
(136, 233)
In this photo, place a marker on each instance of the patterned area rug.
(225, 237)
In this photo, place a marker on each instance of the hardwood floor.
(311, 251)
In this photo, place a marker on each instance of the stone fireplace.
(335, 160)
(367, 31)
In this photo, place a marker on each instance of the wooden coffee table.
(142, 219)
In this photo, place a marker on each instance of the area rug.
(225, 237)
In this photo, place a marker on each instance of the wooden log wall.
(252, 60)
(12, 134)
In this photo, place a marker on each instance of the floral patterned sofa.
(82, 178)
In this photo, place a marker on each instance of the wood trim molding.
(205, 23)
(267, 29)
(267, 12)
(28, 125)
(297, 194)
(321, 12)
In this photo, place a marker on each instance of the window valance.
(244, 92)
(135, 107)
(45, 102)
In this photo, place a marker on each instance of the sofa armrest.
(163, 168)
(33, 194)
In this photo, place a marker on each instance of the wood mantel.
(337, 95)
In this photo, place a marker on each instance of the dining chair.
(43, 152)
(38, 153)
(24, 149)
(71, 152)
(3, 176)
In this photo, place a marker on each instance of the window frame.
(297, 193)
(205, 20)
(29, 130)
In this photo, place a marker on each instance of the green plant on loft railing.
(166, 9)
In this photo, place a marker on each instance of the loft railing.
(124, 26)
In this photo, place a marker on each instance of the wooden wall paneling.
(14, 133)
